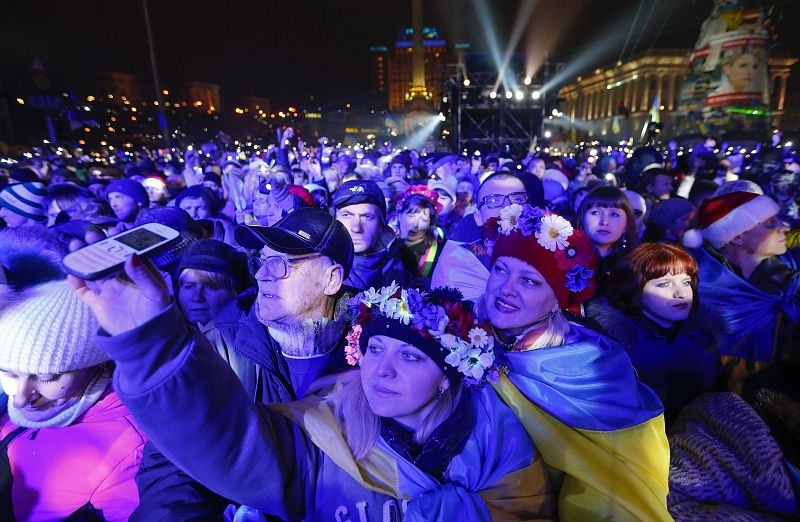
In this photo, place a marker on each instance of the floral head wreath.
(561, 253)
(437, 322)
(424, 191)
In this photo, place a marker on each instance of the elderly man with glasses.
(286, 336)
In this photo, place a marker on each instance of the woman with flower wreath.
(424, 240)
(412, 434)
(597, 427)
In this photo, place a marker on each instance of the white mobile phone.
(105, 257)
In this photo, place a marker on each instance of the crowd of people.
(402, 335)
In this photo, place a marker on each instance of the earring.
(624, 242)
(440, 392)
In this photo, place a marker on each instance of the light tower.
(418, 97)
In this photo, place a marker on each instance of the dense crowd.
(341, 334)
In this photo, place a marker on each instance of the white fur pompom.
(693, 238)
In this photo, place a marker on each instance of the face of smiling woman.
(517, 295)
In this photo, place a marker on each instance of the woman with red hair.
(654, 312)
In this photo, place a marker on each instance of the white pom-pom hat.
(724, 217)
(47, 329)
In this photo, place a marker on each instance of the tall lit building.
(400, 66)
(381, 53)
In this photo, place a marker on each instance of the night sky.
(291, 50)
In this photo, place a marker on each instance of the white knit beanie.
(47, 329)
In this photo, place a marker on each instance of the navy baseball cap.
(304, 231)
(360, 191)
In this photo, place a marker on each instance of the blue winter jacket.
(193, 406)
(168, 493)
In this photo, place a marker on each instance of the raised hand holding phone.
(106, 256)
(125, 301)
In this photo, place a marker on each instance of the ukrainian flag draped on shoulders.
(498, 475)
(593, 421)
(750, 316)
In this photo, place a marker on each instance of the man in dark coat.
(278, 341)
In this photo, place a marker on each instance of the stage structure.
(487, 114)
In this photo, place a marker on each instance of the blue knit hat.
(25, 199)
(218, 257)
(199, 191)
(130, 188)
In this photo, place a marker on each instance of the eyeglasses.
(277, 266)
(498, 200)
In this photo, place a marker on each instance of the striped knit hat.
(25, 199)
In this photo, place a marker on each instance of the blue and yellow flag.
(498, 475)
(595, 423)
(655, 111)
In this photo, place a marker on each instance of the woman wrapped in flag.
(598, 429)
(413, 433)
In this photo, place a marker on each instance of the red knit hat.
(548, 242)
(724, 217)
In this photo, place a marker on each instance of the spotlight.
(536, 95)
(493, 95)
(527, 80)
(466, 82)
(547, 134)
(442, 117)
(518, 95)
(555, 113)
(509, 94)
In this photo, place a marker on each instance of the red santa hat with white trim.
(724, 217)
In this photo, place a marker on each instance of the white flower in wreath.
(398, 310)
(475, 362)
(478, 337)
(449, 341)
(454, 357)
(371, 297)
(509, 218)
(554, 233)
(389, 291)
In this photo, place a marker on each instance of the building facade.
(628, 90)
(104, 83)
(202, 94)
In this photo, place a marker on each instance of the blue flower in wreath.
(529, 221)
(578, 278)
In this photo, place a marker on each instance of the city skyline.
(289, 53)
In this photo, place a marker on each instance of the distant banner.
(739, 70)
(728, 71)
